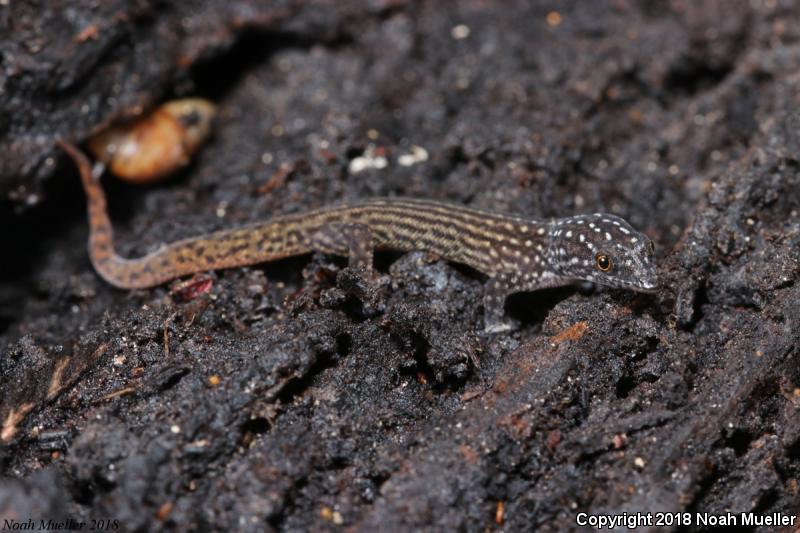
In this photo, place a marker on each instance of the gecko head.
(603, 249)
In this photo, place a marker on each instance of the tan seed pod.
(158, 144)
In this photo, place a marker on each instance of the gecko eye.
(603, 262)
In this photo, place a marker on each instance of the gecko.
(517, 254)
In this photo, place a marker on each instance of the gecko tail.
(101, 243)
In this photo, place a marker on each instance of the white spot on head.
(586, 262)
(574, 261)
(523, 229)
(608, 236)
(581, 237)
(528, 243)
(634, 239)
(591, 224)
(623, 230)
(596, 230)
(540, 231)
(526, 259)
(539, 248)
(569, 234)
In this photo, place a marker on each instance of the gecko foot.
(501, 326)
(365, 287)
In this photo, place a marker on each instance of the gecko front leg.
(495, 292)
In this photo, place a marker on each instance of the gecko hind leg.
(355, 241)
(352, 240)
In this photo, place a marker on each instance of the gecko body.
(517, 254)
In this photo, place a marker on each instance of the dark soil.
(293, 396)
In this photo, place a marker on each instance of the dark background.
(340, 405)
